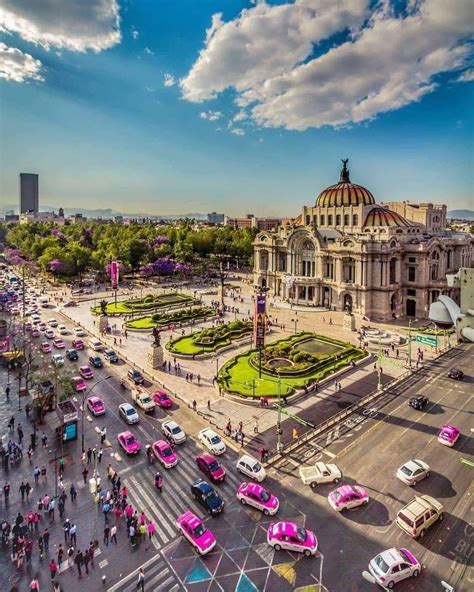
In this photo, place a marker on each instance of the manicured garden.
(209, 340)
(296, 362)
(176, 317)
(148, 303)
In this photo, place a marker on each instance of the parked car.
(210, 467)
(413, 471)
(419, 402)
(135, 376)
(394, 565)
(419, 514)
(72, 355)
(249, 466)
(128, 413)
(129, 443)
(96, 405)
(291, 537)
(194, 530)
(449, 435)
(456, 374)
(212, 441)
(207, 496)
(171, 429)
(255, 495)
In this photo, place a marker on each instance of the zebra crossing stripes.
(158, 577)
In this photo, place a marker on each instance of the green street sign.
(433, 341)
(467, 462)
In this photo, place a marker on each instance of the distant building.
(10, 216)
(251, 221)
(77, 218)
(42, 217)
(29, 193)
(118, 219)
(215, 218)
(61, 213)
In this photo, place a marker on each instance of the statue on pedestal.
(156, 337)
(103, 307)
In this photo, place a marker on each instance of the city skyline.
(171, 108)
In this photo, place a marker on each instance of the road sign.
(433, 341)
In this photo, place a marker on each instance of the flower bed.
(209, 340)
(148, 303)
(177, 317)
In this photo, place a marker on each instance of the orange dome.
(383, 217)
(344, 193)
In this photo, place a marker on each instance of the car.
(210, 467)
(58, 360)
(42, 326)
(394, 565)
(49, 334)
(143, 400)
(96, 361)
(77, 292)
(79, 384)
(456, 374)
(128, 413)
(86, 372)
(72, 355)
(162, 399)
(290, 536)
(171, 429)
(62, 330)
(248, 465)
(28, 326)
(347, 497)
(95, 405)
(207, 496)
(35, 332)
(77, 344)
(319, 473)
(129, 443)
(212, 441)
(111, 356)
(135, 376)
(59, 343)
(70, 303)
(255, 495)
(194, 530)
(449, 435)
(52, 322)
(419, 402)
(164, 453)
(413, 471)
(78, 332)
(46, 347)
(419, 514)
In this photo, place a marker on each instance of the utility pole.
(379, 368)
(279, 444)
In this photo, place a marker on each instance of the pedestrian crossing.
(164, 508)
(158, 577)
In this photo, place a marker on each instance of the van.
(419, 514)
(95, 343)
(43, 300)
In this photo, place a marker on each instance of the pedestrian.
(70, 553)
(60, 556)
(209, 404)
(20, 433)
(53, 568)
(22, 490)
(113, 534)
(40, 546)
(36, 474)
(141, 580)
(89, 455)
(43, 474)
(34, 585)
(79, 561)
(131, 534)
(51, 507)
(67, 530)
(99, 454)
(85, 472)
(87, 560)
(194, 405)
(28, 490)
(44, 440)
(73, 534)
(7, 392)
(294, 433)
(103, 434)
(106, 534)
(150, 529)
(91, 552)
(73, 492)
(255, 427)
(46, 539)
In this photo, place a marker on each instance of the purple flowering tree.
(147, 270)
(58, 234)
(14, 256)
(164, 266)
(56, 265)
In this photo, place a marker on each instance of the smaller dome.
(379, 216)
(344, 193)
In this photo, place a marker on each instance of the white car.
(49, 334)
(78, 332)
(58, 360)
(413, 471)
(212, 441)
(393, 565)
(128, 413)
(52, 322)
(248, 465)
(62, 330)
(171, 429)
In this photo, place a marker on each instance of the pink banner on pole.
(114, 274)
(5, 344)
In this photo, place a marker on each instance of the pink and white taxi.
(79, 384)
(164, 453)
(59, 343)
(162, 399)
(449, 435)
(129, 443)
(255, 495)
(347, 497)
(393, 565)
(291, 537)
(96, 405)
(46, 347)
(196, 532)
(86, 372)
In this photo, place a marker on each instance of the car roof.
(202, 485)
(288, 528)
(125, 434)
(420, 504)
(413, 465)
(391, 556)
(345, 490)
(189, 518)
(248, 459)
(208, 432)
(126, 406)
(206, 457)
(161, 444)
(171, 423)
(95, 398)
(253, 487)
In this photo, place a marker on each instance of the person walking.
(89, 455)
(28, 490)
(53, 569)
(36, 474)
(7, 392)
(34, 585)
(141, 580)
(44, 440)
(85, 472)
(106, 534)
(73, 492)
(113, 534)
(99, 454)
(60, 556)
(255, 427)
(103, 434)
(22, 490)
(79, 561)
(73, 534)
(46, 539)
(91, 552)
(151, 530)
(67, 530)
(87, 560)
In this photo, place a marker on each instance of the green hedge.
(177, 317)
(147, 303)
(219, 337)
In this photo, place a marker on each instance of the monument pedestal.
(156, 357)
(103, 323)
(348, 322)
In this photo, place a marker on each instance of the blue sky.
(150, 108)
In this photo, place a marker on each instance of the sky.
(235, 106)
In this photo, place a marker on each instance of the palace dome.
(379, 216)
(344, 193)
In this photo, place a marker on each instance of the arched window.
(355, 220)
(346, 219)
(330, 220)
(322, 221)
(338, 219)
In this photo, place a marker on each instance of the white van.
(43, 300)
(95, 343)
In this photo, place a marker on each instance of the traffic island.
(176, 318)
(147, 304)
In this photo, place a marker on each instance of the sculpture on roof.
(345, 171)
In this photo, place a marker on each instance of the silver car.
(128, 413)
(413, 471)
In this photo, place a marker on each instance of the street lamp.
(409, 340)
(83, 408)
(295, 320)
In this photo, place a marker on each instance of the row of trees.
(77, 247)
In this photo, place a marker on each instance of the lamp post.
(409, 341)
(295, 320)
(84, 411)
(279, 444)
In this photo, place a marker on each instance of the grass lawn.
(192, 344)
(148, 303)
(177, 317)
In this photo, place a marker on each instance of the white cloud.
(76, 25)
(240, 116)
(237, 131)
(467, 76)
(386, 62)
(135, 34)
(149, 51)
(149, 89)
(210, 115)
(17, 66)
(169, 80)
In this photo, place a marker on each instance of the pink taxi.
(35, 332)
(196, 532)
(347, 497)
(96, 405)
(129, 443)
(448, 435)
(79, 384)
(58, 343)
(255, 495)
(291, 537)
(77, 344)
(46, 347)
(86, 372)
(164, 453)
(162, 399)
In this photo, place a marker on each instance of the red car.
(77, 344)
(162, 399)
(210, 467)
(86, 372)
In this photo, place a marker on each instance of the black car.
(96, 361)
(72, 355)
(135, 376)
(111, 356)
(419, 402)
(456, 374)
(207, 496)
